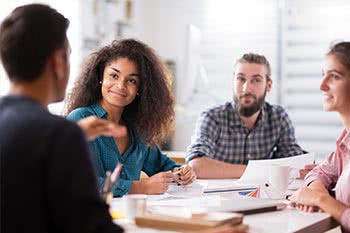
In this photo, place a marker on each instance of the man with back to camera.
(229, 135)
(47, 179)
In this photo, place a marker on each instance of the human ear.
(58, 63)
(268, 84)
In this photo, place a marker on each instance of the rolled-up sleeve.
(204, 139)
(326, 172)
(122, 187)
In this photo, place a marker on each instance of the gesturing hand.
(94, 127)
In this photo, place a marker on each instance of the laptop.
(249, 205)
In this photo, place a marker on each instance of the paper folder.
(209, 220)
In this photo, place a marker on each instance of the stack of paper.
(257, 170)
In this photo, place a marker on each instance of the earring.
(100, 82)
(137, 93)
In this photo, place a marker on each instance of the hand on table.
(157, 183)
(307, 199)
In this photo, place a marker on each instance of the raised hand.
(94, 127)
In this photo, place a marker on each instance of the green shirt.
(138, 157)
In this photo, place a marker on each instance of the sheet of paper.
(203, 201)
(257, 170)
(194, 189)
(225, 185)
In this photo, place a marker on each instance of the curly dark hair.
(152, 111)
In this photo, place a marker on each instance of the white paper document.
(224, 185)
(257, 171)
(209, 186)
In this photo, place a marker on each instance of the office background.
(201, 39)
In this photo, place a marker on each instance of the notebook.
(249, 205)
(206, 221)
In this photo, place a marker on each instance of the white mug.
(134, 205)
(279, 178)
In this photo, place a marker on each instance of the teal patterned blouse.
(138, 157)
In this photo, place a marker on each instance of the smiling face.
(335, 86)
(120, 83)
(251, 85)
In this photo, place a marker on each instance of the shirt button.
(248, 156)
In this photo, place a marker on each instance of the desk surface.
(287, 220)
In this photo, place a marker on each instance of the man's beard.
(248, 111)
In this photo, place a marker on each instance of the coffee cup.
(279, 179)
(134, 205)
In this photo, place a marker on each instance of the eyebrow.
(258, 76)
(118, 71)
(336, 71)
(254, 76)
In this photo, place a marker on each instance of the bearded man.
(229, 135)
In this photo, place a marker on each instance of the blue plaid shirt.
(220, 134)
(138, 157)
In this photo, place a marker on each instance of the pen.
(115, 174)
(107, 184)
(110, 180)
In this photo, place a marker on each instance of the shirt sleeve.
(345, 219)
(75, 200)
(204, 139)
(287, 145)
(122, 187)
(326, 172)
(77, 115)
(156, 162)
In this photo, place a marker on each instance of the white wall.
(70, 9)
(229, 29)
(309, 27)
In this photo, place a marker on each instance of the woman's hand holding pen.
(184, 175)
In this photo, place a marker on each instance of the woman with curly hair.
(126, 83)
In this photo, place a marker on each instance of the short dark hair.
(342, 51)
(28, 36)
(256, 59)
